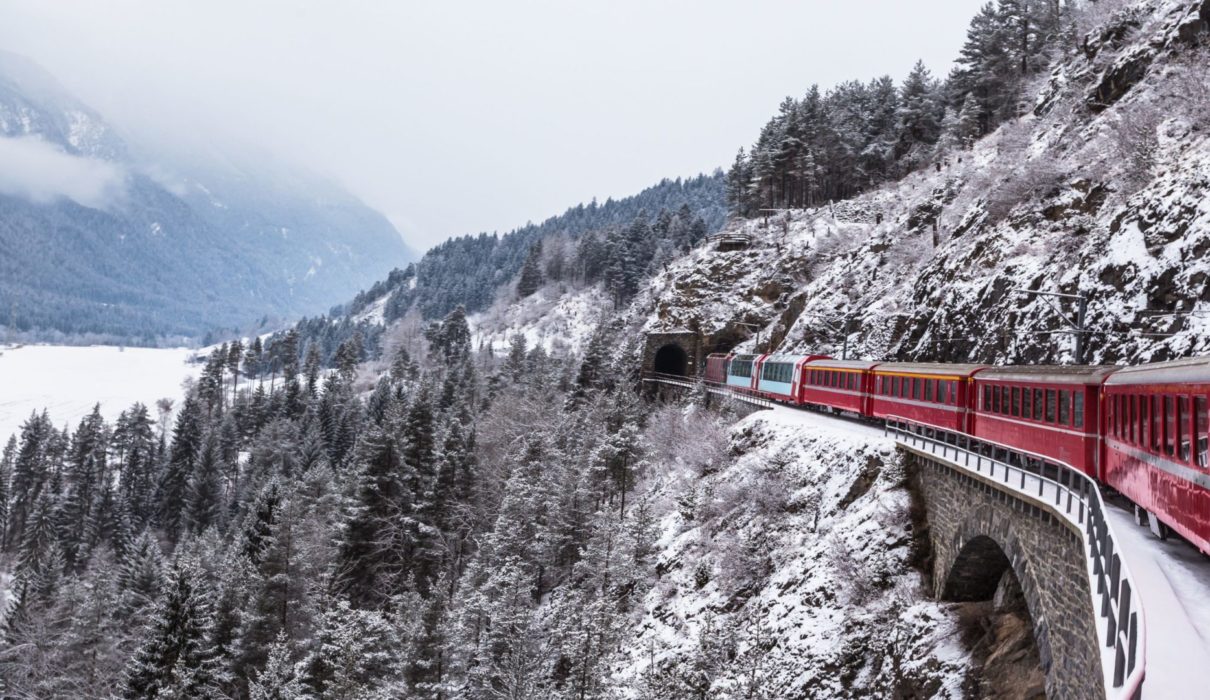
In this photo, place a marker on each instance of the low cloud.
(38, 171)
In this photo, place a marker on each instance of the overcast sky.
(458, 117)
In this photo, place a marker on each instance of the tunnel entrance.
(671, 359)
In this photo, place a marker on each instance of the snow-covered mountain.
(1098, 189)
(106, 235)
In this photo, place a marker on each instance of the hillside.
(1098, 189)
(108, 239)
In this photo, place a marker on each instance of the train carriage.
(1048, 410)
(1156, 443)
(779, 376)
(716, 367)
(931, 393)
(741, 371)
(844, 385)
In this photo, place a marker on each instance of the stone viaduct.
(986, 537)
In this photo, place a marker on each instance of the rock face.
(1099, 191)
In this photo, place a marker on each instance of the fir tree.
(531, 272)
(176, 659)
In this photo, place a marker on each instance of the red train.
(1143, 431)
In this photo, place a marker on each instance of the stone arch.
(983, 556)
(671, 359)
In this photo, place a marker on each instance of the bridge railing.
(745, 394)
(1075, 496)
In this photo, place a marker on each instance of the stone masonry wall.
(1045, 552)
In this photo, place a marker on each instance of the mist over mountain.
(103, 235)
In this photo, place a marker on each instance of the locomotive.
(1142, 431)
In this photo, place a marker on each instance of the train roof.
(1187, 371)
(942, 368)
(792, 359)
(841, 364)
(1050, 374)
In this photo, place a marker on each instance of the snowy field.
(69, 381)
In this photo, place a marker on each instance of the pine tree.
(278, 680)
(135, 446)
(173, 490)
(365, 562)
(141, 574)
(531, 272)
(311, 369)
(919, 117)
(204, 493)
(176, 659)
(254, 358)
(31, 470)
(8, 459)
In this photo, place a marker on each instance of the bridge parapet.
(992, 509)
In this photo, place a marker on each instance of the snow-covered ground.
(557, 318)
(69, 381)
(1173, 581)
(794, 556)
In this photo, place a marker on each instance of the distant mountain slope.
(468, 270)
(97, 240)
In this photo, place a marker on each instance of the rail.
(1076, 497)
(750, 396)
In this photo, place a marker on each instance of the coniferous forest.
(835, 144)
(283, 537)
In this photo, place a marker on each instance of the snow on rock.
(1107, 200)
(787, 574)
(69, 381)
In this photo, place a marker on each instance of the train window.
(1017, 401)
(1201, 424)
(1064, 408)
(1182, 426)
(987, 398)
(1051, 400)
(995, 399)
(1005, 400)
(928, 390)
(1038, 404)
(1170, 425)
(1077, 409)
(1026, 403)
(944, 387)
(1155, 424)
(1136, 419)
(852, 380)
(915, 387)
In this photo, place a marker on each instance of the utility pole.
(1078, 326)
(844, 350)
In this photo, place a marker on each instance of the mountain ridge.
(107, 239)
